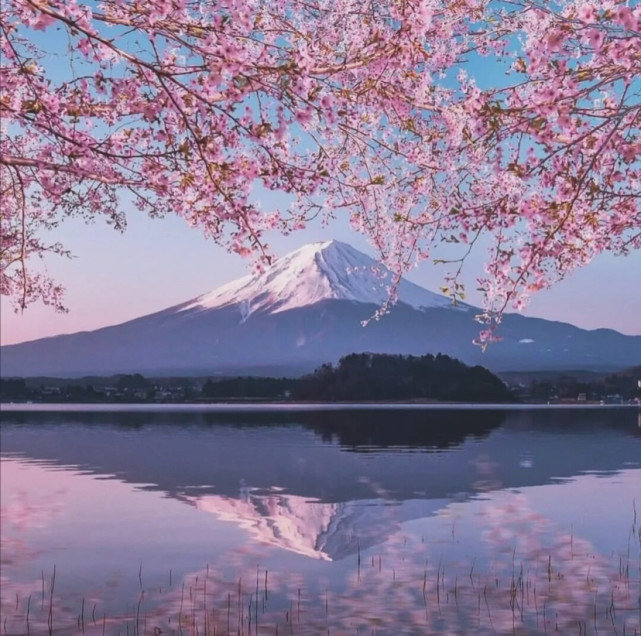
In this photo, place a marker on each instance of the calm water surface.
(341, 522)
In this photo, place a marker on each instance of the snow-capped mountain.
(306, 309)
(286, 521)
(312, 528)
(311, 274)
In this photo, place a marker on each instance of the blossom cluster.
(368, 111)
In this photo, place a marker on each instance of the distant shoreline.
(238, 406)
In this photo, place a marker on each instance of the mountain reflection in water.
(413, 454)
(331, 488)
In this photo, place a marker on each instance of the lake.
(357, 520)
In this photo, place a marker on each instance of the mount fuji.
(307, 309)
(312, 274)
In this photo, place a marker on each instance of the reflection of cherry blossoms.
(529, 580)
(537, 581)
(557, 581)
(22, 513)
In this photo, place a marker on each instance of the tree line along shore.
(356, 377)
(362, 377)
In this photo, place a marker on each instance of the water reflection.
(450, 522)
(206, 453)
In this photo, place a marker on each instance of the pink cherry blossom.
(371, 111)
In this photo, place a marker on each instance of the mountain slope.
(305, 310)
(311, 274)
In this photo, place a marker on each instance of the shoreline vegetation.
(356, 379)
(558, 586)
(361, 377)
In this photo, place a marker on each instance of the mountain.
(306, 309)
(325, 484)
(312, 274)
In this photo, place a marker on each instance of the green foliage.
(623, 385)
(356, 377)
(13, 389)
(249, 387)
(134, 382)
(367, 376)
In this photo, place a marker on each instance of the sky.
(158, 263)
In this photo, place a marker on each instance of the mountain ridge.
(328, 270)
(307, 309)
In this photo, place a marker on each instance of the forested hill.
(356, 377)
(367, 376)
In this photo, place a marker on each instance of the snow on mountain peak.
(309, 527)
(310, 274)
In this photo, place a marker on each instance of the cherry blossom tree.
(374, 110)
